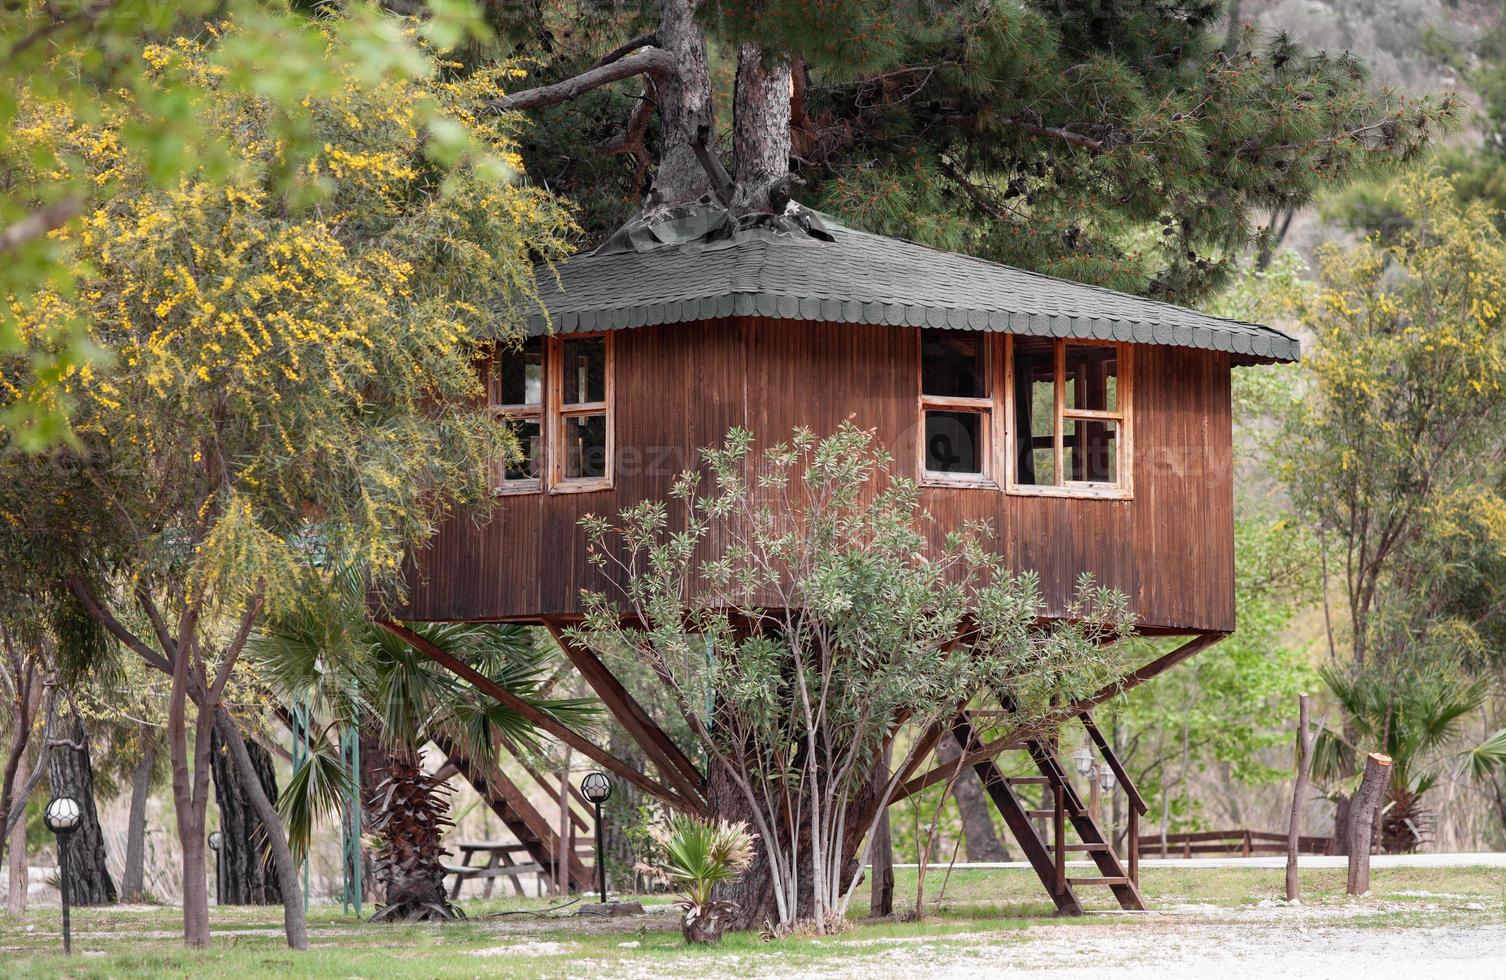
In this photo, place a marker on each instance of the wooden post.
(1060, 818)
(562, 848)
(1134, 846)
(1305, 742)
(1362, 819)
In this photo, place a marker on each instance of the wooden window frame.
(990, 406)
(1123, 487)
(559, 415)
(552, 415)
(501, 485)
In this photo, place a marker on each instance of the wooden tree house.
(1091, 428)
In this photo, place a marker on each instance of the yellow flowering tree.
(1395, 446)
(76, 64)
(290, 372)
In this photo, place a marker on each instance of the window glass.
(1035, 411)
(1091, 450)
(585, 370)
(519, 379)
(952, 364)
(1092, 378)
(585, 447)
(954, 442)
(529, 441)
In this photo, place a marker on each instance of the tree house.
(1091, 428)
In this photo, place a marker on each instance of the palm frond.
(1484, 759)
(316, 791)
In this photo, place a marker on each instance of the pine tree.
(1131, 143)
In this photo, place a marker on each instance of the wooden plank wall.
(680, 387)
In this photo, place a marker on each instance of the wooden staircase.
(1068, 816)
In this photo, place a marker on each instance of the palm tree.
(1413, 720)
(352, 673)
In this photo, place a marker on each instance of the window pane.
(1035, 411)
(952, 364)
(1092, 450)
(585, 370)
(1093, 378)
(585, 447)
(954, 442)
(519, 379)
(529, 466)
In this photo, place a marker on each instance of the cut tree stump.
(1362, 819)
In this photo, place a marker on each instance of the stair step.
(1028, 780)
(1040, 813)
(1086, 847)
(1118, 880)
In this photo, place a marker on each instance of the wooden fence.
(1229, 843)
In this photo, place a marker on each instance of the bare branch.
(38, 223)
(649, 40)
(653, 62)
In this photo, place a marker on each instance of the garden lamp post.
(62, 816)
(216, 841)
(596, 787)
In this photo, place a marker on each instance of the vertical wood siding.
(680, 387)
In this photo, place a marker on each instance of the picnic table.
(499, 864)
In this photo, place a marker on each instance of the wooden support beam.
(539, 719)
(1018, 736)
(1017, 819)
(673, 765)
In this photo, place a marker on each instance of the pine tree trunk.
(248, 876)
(761, 117)
(1362, 820)
(254, 775)
(983, 842)
(133, 882)
(685, 106)
(19, 877)
(70, 772)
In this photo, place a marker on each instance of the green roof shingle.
(858, 277)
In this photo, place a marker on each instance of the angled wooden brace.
(545, 723)
(673, 765)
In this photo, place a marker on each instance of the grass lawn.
(991, 916)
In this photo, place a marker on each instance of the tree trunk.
(1362, 820)
(1305, 740)
(983, 842)
(881, 891)
(254, 775)
(1342, 806)
(685, 106)
(761, 117)
(70, 772)
(133, 883)
(248, 878)
(19, 881)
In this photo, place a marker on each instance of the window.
(1035, 415)
(1069, 413)
(957, 407)
(556, 393)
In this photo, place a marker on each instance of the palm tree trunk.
(70, 772)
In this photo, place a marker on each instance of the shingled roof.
(699, 265)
